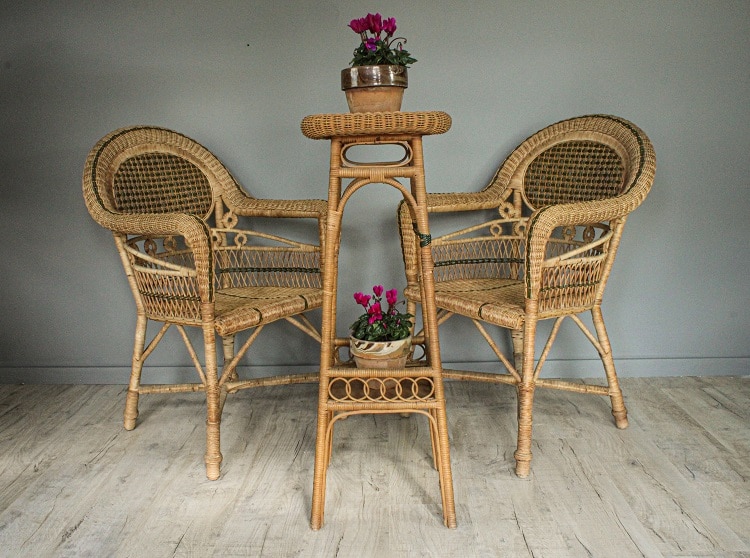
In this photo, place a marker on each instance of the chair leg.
(516, 337)
(523, 449)
(434, 439)
(228, 344)
(213, 406)
(615, 393)
(444, 468)
(525, 392)
(329, 437)
(323, 447)
(131, 399)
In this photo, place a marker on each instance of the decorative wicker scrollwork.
(569, 233)
(588, 234)
(389, 389)
(149, 246)
(507, 210)
(229, 219)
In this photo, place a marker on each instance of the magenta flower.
(377, 324)
(389, 26)
(375, 312)
(391, 297)
(375, 23)
(377, 43)
(361, 298)
(359, 25)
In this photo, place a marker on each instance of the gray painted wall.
(239, 76)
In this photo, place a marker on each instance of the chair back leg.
(615, 393)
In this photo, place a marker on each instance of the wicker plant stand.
(418, 387)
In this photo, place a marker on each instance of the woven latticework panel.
(574, 171)
(252, 267)
(572, 283)
(479, 258)
(161, 183)
(570, 286)
(167, 294)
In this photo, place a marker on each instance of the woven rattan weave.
(418, 387)
(560, 203)
(178, 219)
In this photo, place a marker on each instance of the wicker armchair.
(175, 212)
(560, 202)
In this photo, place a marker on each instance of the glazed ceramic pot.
(374, 88)
(380, 354)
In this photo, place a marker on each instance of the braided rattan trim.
(325, 126)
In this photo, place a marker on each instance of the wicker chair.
(561, 201)
(175, 212)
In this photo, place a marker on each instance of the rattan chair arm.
(446, 202)
(254, 207)
(545, 220)
(182, 224)
(245, 205)
(192, 228)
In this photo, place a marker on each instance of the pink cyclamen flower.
(391, 296)
(378, 290)
(372, 44)
(389, 26)
(375, 23)
(361, 298)
(375, 312)
(359, 25)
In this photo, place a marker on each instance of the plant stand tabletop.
(416, 388)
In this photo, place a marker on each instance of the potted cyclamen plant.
(376, 80)
(381, 337)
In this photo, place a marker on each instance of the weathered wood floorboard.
(675, 483)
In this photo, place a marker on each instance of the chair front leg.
(213, 405)
(525, 392)
(134, 386)
(516, 337)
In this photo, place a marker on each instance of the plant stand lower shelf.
(416, 388)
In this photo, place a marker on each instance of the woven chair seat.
(241, 308)
(496, 301)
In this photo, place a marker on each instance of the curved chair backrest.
(588, 158)
(139, 170)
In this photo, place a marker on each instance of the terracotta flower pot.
(374, 88)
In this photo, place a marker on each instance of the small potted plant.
(381, 337)
(376, 80)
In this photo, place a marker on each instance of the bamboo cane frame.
(344, 132)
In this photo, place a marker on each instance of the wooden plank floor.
(676, 483)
